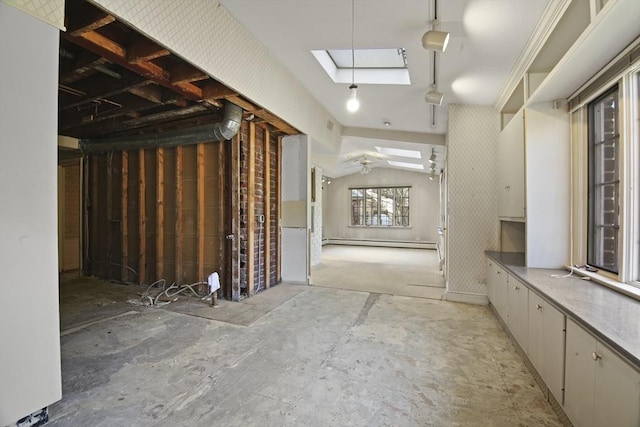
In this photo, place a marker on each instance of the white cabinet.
(546, 343)
(497, 288)
(518, 311)
(511, 169)
(601, 389)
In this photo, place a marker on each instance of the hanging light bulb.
(353, 104)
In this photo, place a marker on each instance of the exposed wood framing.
(267, 209)
(200, 209)
(235, 216)
(109, 211)
(124, 221)
(186, 73)
(251, 210)
(179, 216)
(95, 207)
(225, 256)
(79, 24)
(142, 219)
(160, 213)
(143, 49)
(278, 214)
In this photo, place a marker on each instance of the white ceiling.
(487, 39)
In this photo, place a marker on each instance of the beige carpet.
(393, 271)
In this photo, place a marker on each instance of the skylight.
(369, 58)
(373, 66)
(398, 152)
(405, 165)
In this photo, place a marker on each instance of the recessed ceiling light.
(387, 123)
(405, 165)
(398, 152)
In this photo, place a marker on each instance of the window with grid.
(380, 206)
(604, 182)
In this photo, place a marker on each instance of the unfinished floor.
(294, 355)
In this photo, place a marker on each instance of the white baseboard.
(381, 243)
(476, 299)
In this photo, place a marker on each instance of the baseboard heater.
(383, 243)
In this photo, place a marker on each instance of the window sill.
(383, 227)
(623, 288)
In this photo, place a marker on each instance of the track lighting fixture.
(435, 40)
(433, 97)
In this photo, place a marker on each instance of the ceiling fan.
(366, 162)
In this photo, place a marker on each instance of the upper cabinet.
(511, 199)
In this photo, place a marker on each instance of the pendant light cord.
(353, 54)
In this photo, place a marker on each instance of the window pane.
(604, 185)
(357, 207)
(380, 207)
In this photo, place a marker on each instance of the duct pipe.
(223, 130)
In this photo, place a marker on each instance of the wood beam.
(115, 90)
(142, 218)
(150, 92)
(251, 213)
(200, 208)
(124, 221)
(186, 73)
(109, 213)
(143, 50)
(89, 20)
(160, 213)
(276, 122)
(214, 90)
(179, 216)
(116, 53)
(267, 209)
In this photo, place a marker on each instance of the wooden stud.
(279, 211)
(267, 209)
(251, 211)
(142, 219)
(160, 213)
(200, 208)
(234, 188)
(225, 257)
(95, 208)
(109, 213)
(124, 222)
(179, 215)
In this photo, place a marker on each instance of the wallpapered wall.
(473, 198)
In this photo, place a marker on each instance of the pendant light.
(353, 104)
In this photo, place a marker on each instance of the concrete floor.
(302, 355)
(392, 271)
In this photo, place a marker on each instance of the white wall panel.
(29, 320)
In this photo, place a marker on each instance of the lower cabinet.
(497, 279)
(601, 389)
(518, 311)
(546, 343)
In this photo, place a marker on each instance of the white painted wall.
(296, 211)
(423, 215)
(472, 225)
(316, 232)
(30, 376)
(548, 190)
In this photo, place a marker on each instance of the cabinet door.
(536, 333)
(617, 385)
(518, 311)
(579, 376)
(501, 293)
(491, 282)
(511, 168)
(554, 349)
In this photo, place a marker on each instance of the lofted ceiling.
(487, 39)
